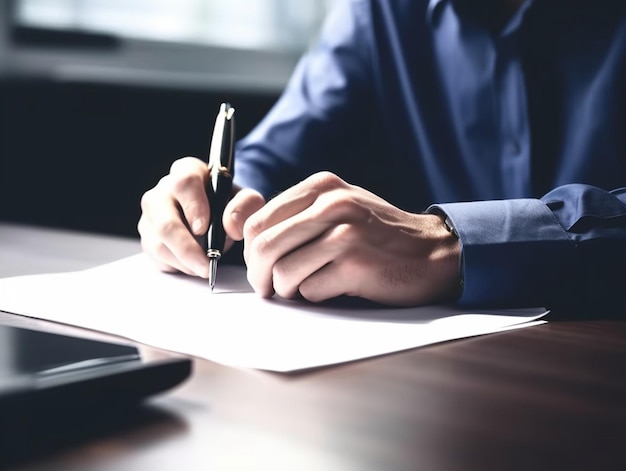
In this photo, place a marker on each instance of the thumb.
(245, 203)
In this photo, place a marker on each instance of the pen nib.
(212, 271)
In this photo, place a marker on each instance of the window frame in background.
(79, 56)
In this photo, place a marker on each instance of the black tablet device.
(43, 372)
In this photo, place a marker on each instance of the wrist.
(453, 257)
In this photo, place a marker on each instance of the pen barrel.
(219, 191)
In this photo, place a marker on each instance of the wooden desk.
(546, 397)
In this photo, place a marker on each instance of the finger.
(293, 219)
(162, 224)
(292, 237)
(329, 211)
(163, 258)
(262, 253)
(188, 177)
(313, 204)
(291, 270)
(291, 202)
(245, 203)
(328, 282)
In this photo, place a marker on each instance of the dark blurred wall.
(80, 156)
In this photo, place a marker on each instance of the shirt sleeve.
(313, 123)
(565, 250)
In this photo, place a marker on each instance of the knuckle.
(146, 199)
(262, 245)
(325, 181)
(191, 208)
(184, 164)
(338, 203)
(184, 181)
(281, 272)
(342, 204)
(346, 235)
(252, 227)
(282, 281)
(165, 229)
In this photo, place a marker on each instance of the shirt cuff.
(513, 251)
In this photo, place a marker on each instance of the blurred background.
(98, 97)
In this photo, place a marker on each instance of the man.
(431, 151)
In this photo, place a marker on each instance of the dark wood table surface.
(545, 397)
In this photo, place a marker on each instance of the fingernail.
(196, 225)
(235, 216)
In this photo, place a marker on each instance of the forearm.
(316, 124)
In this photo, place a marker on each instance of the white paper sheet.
(233, 325)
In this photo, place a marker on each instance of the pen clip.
(222, 143)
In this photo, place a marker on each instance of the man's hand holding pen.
(176, 213)
(191, 201)
(319, 239)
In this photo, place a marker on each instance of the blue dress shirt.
(518, 135)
